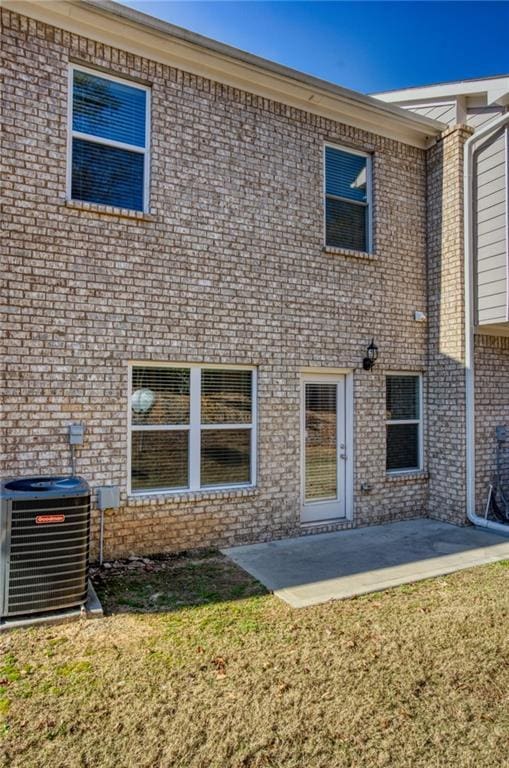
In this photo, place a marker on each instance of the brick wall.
(227, 268)
(446, 387)
(446, 381)
(491, 410)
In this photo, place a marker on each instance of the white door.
(323, 448)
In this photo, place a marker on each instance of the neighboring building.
(477, 103)
(202, 246)
(482, 105)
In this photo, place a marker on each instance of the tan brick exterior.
(446, 380)
(228, 267)
(491, 408)
(446, 431)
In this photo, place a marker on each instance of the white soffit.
(495, 88)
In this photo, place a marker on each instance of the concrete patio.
(308, 570)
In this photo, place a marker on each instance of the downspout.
(469, 148)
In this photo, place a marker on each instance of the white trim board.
(495, 88)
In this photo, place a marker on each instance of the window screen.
(225, 397)
(226, 400)
(346, 199)
(191, 427)
(321, 441)
(109, 141)
(159, 460)
(160, 415)
(403, 397)
(225, 456)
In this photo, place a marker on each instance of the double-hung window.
(109, 140)
(347, 199)
(404, 422)
(191, 427)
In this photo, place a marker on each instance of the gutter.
(138, 33)
(428, 126)
(469, 148)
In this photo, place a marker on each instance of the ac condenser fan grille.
(48, 554)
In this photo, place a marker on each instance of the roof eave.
(496, 90)
(122, 27)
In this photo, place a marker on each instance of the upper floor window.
(404, 422)
(347, 199)
(109, 134)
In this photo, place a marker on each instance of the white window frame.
(92, 138)
(419, 422)
(194, 427)
(369, 195)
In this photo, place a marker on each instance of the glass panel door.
(323, 448)
(321, 441)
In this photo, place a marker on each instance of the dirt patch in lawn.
(169, 583)
(209, 676)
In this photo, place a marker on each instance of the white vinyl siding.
(491, 230)
(191, 427)
(445, 111)
(448, 112)
(404, 434)
(108, 146)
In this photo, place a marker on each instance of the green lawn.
(196, 666)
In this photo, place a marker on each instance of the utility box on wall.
(108, 497)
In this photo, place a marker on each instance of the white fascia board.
(116, 25)
(495, 88)
(493, 329)
(499, 96)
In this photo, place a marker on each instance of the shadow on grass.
(172, 583)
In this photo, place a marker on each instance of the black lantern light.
(371, 356)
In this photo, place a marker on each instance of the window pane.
(107, 175)
(345, 174)
(159, 460)
(225, 397)
(346, 225)
(321, 441)
(402, 397)
(105, 108)
(225, 456)
(402, 446)
(160, 396)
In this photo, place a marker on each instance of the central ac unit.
(44, 544)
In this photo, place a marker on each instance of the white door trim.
(345, 436)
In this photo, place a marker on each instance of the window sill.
(109, 210)
(405, 476)
(172, 497)
(364, 255)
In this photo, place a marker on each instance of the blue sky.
(367, 46)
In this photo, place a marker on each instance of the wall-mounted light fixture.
(371, 356)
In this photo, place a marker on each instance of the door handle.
(343, 456)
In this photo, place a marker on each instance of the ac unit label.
(43, 519)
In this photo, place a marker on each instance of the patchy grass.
(212, 673)
(172, 583)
